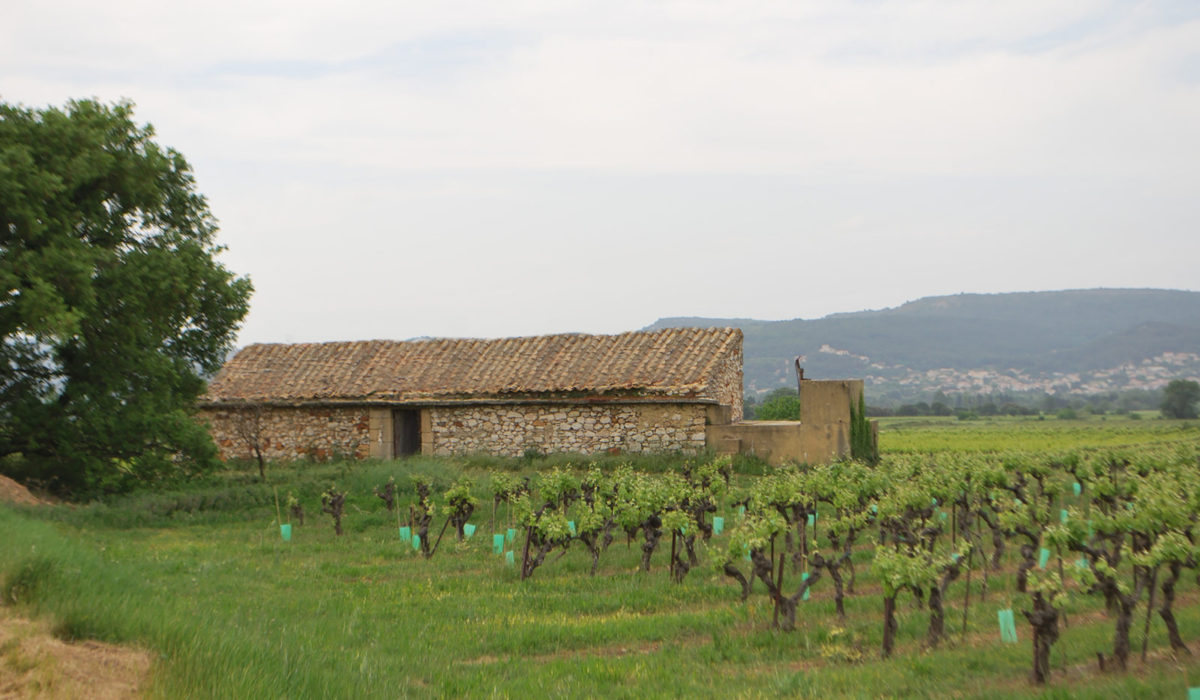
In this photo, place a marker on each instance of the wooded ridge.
(1073, 341)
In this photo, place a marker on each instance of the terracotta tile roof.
(671, 363)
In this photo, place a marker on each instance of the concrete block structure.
(822, 434)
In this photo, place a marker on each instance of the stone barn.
(638, 392)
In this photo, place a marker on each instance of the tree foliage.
(781, 404)
(112, 306)
(1180, 399)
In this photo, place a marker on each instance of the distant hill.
(1075, 341)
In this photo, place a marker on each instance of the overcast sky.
(399, 169)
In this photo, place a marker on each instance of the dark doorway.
(406, 432)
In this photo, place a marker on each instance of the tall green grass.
(201, 577)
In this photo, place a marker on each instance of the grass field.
(201, 577)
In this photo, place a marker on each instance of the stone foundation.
(291, 433)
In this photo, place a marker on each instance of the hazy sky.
(398, 169)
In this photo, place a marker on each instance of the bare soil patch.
(12, 492)
(34, 664)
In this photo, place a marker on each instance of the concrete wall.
(821, 435)
(781, 441)
(828, 400)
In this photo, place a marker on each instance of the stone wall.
(588, 429)
(729, 383)
(290, 433)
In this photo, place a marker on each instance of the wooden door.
(406, 432)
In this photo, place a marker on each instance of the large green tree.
(113, 307)
(1180, 399)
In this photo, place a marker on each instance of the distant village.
(1149, 374)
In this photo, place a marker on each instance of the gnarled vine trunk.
(652, 532)
(1027, 563)
(890, 626)
(1167, 614)
(734, 573)
(1044, 620)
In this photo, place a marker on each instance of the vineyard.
(958, 570)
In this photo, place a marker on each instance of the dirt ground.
(12, 492)
(34, 664)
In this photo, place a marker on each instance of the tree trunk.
(890, 627)
(651, 533)
(734, 573)
(997, 546)
(1149, 611)
(937, 618)
(1167, 615)
(787, 604)
(838, 594)
(593, 547)
(1027, 563)
(787, 613)
(1044, 620)
(937, 610)
(525, 570)
(1120, 652)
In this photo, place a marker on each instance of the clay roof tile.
(676, 362)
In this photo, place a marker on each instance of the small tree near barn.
(248, 424)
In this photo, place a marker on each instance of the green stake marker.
(285, 531)
(1008, 627)
(405, 533)
(812, 519)
(1193, 693)
(1064, 515)
(509, 558)
(1077, 488)
(943, 515)
(804, 577)
(468, 530)
(571, 527)
(1043, 557)
(512, 534)
(1081, 562)
(416, 541)
(934, 501)
(498, 543)
(718, 525)
(741, 511)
